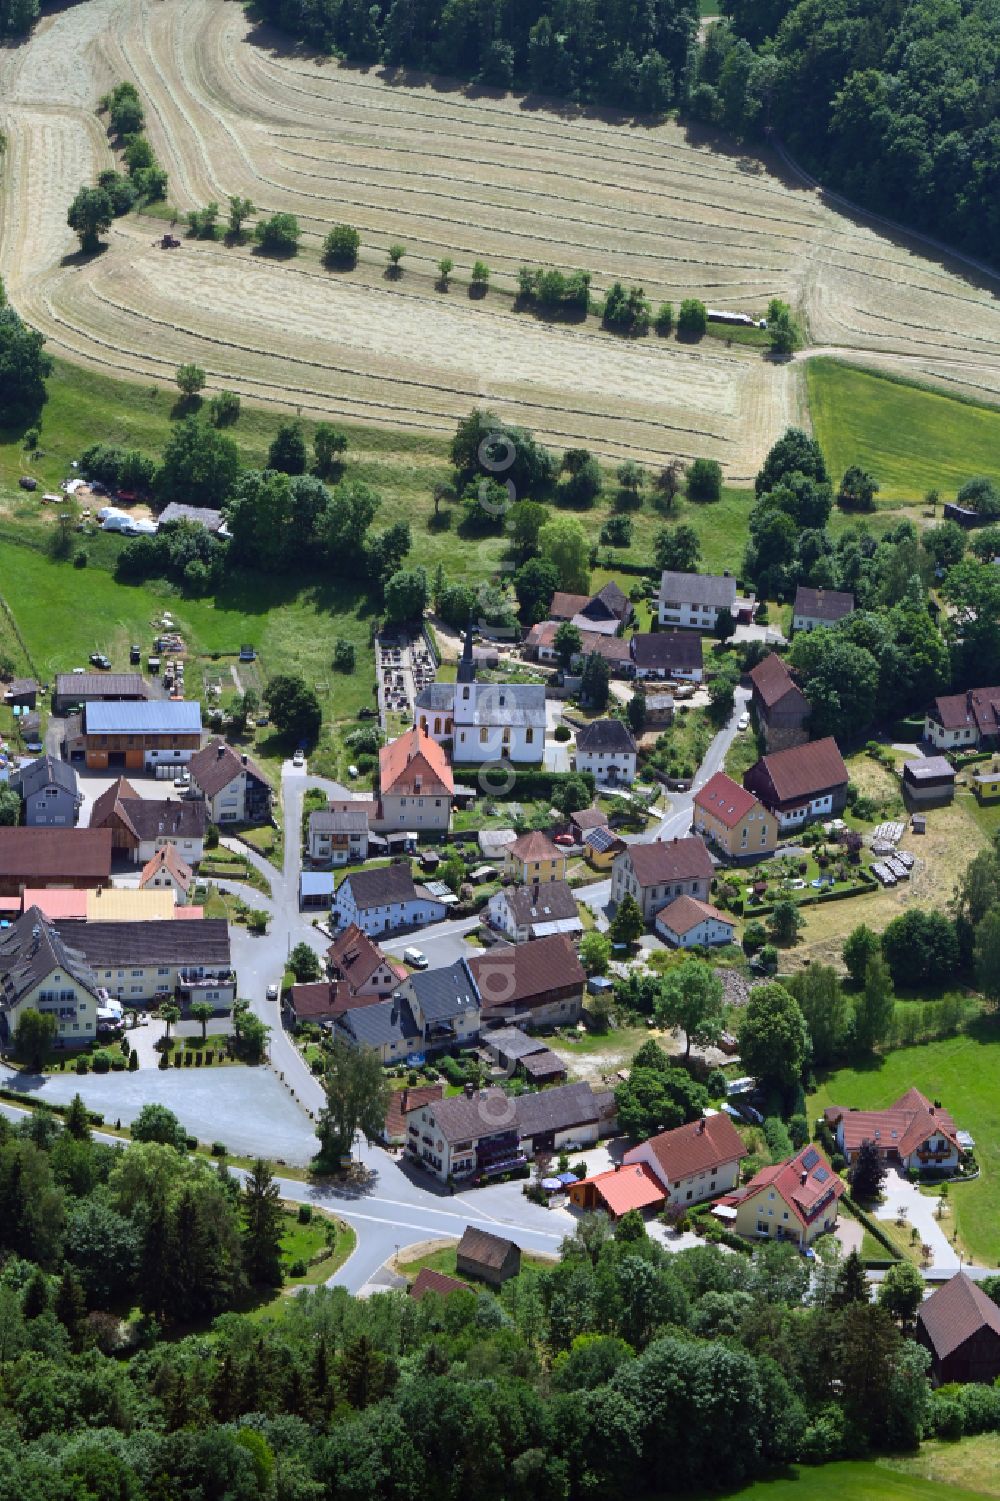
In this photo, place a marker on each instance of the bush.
(341, 246)
(305, 1214)
(279, 235)
(561, 733)
(219, 1149)
(133, 1061)
(82, 1066)
(118, 1064)
(163, 1063)
(664, 320)
(704, 480)
(178, 1059)
(343, 655)
(298, 1268)
(81, 559)
(692, 319)
(210, 1055)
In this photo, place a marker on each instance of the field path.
(450, 173)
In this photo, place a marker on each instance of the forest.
(894, 105)
(129, 1373)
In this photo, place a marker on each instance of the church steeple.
(467, 667)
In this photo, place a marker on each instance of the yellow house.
(793, 1200)
(601, 846)
(533, 859)
(732, 819)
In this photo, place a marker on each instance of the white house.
(606, 748)
(384, 900)
(911, 1133)
(339, 835)
(40, 971)
(233, 786)
(166, 871)
(692, 601)
(526, 912)
(484, 721)
(687, 923)
(964, 721)
(693, 1162)
(820, 607)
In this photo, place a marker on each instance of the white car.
(414, 958)
(743, 723)
(299, 758)
(272, 992)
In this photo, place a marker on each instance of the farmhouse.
(912, 1133)
(605, 612)
(49, 793)
(383, 901)
(233, 786)
(533, 858)
(538, 984)
(141, 826)
(53, 858)
(693, 600)
(928, 781)
(140, 736)
(693, 1162)
(792, 1200)
(487, 1133)
(733, 820)
(524, 913)
(960, 1326)
(415, 785)
(73, 688)
(484, 721)
(337, 836)
(687, 923)
(659, 655)
(615, 650)
(779, 706)
(653, 873)
(819, 607)
(797, 785)
(964, 721)
(606, 748)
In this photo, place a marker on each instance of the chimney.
(470, 1089)
(243, 758)
(618, 1167)
(220, 750)
(803, 1177)
(701, 1128)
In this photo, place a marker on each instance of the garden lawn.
(973, 1463)
(910, 438)
(961, 1072)
(867, 1480)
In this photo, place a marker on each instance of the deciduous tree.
(691, 999)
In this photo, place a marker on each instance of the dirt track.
(445, 173)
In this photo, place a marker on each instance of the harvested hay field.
(445, 171)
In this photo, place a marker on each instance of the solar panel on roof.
(821, 1175)
(810, 1160)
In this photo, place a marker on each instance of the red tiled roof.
(589, 818)
(955, 1312)
(527, 972)
(726, 799)
(773, 681)
(670, 860)
(799, 773)
(167, 856)
(822, 604)
(114, 800)
(428, 1280)
(325, 1000)
(806, 1183)
(567, 605)
(42, 855)
(415, 764)
(535, 846)
(354, 957)
(402, 1100)
(632, 1186)
(686, 912)
(903, 1125)
(694, 1148)
(980, 706)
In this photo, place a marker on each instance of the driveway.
(919, 1208)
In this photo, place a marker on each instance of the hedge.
(94, 1117)
(872, 1226)
(528, 785)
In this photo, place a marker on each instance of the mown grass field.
(912, 439)
(874, 1480)
(962, 1073)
